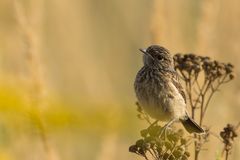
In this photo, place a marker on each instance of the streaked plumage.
(159, 91)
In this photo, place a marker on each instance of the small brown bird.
(159, 91)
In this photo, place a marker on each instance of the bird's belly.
(163, 105)
(157, 112)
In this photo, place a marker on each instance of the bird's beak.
(145, 52)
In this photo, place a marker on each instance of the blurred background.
(67, 70)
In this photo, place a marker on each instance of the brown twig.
(215, 74)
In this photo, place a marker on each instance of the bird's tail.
(191, 126)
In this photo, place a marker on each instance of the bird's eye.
(160, 58)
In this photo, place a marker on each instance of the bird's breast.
(158, 96)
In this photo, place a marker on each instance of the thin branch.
(211, 95)
(202, 102)
(201, 89)
(226, 157)
(215, 135)
(237, 126)
(153, 155)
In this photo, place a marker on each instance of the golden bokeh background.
(67, 69)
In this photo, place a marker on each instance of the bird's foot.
(165, 128)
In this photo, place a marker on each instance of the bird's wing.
(177, 84)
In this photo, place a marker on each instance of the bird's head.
(156, 56)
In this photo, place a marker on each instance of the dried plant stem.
(34, 76)
(196, 153)
(226, 156)
(212, 93)
(214, 74)
(204, 103)
(237, 126)
(42, 133)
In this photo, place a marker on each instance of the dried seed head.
(133, 148)
(144, 133)
(140, 143)
(177, 153)
(187, 154)
(228, 134)
(193, 65)
(231, 76)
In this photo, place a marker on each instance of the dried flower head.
(170, 146)
(202, 77)
(191, 64)
(228, 135)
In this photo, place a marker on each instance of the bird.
(159, 91)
